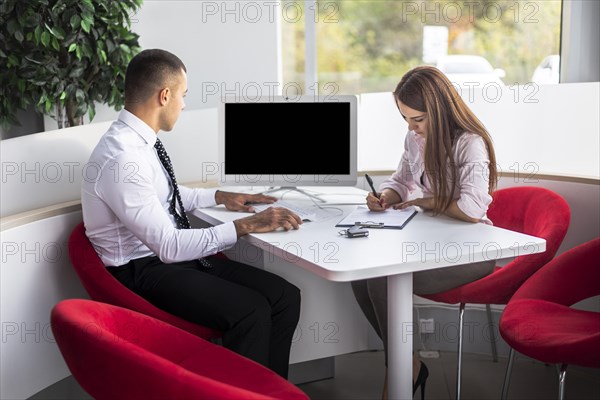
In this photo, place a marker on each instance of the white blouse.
(472, 171)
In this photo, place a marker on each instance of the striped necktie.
(181, 218)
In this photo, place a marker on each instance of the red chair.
(102, 286)
(539, 322)
(531, 210)
(116, 353)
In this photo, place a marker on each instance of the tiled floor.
(359, 376)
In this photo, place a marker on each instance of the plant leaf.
(91, 111)
(58, 51)
(32, 60)
(12, 26)
(59, 33)
(85, 25)
(79, 96)
(45, 38)
(37, 34)
(103, 57)
(76, 72)
(13, 60)
(75, 22)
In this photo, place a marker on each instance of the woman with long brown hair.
(449, 156)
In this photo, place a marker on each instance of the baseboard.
(310, 371)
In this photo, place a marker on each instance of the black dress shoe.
(421, 380)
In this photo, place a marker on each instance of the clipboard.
(389, 219)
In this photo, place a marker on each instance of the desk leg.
(400, 333)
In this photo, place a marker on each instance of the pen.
(370, 181)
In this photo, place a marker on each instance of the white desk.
(425, 243)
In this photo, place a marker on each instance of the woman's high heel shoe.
(421, 379)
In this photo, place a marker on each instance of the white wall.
(35, 274)
(228, 47)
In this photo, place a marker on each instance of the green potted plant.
(64, 56)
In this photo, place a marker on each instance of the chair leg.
(562, 376)
(488, 311)
(461, 314)
(511, 358)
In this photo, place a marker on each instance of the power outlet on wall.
(427, 325)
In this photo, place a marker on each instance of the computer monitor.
(283, 142)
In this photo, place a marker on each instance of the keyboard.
(305, 214)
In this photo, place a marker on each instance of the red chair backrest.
(531, 210)
(534, 211)
(539, 320)
(103, 287)
(569, 278)
(114, 352)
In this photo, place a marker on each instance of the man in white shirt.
(134, 215)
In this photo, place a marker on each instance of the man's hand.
(241, 201)
(268, 220)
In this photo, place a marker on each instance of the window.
(367, 45)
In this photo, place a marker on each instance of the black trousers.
(258, 311)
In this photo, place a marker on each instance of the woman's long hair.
(428, 90)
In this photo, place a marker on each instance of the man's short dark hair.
(150, 71)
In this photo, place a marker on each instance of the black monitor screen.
(288, 138)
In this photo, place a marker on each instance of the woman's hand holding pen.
(377, 201)
(374, 203)
(387, 198)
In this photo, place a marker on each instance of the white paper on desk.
(394, 219)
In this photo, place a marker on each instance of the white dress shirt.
(125, 198)
(471, 160)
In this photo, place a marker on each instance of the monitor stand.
(274, 189)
